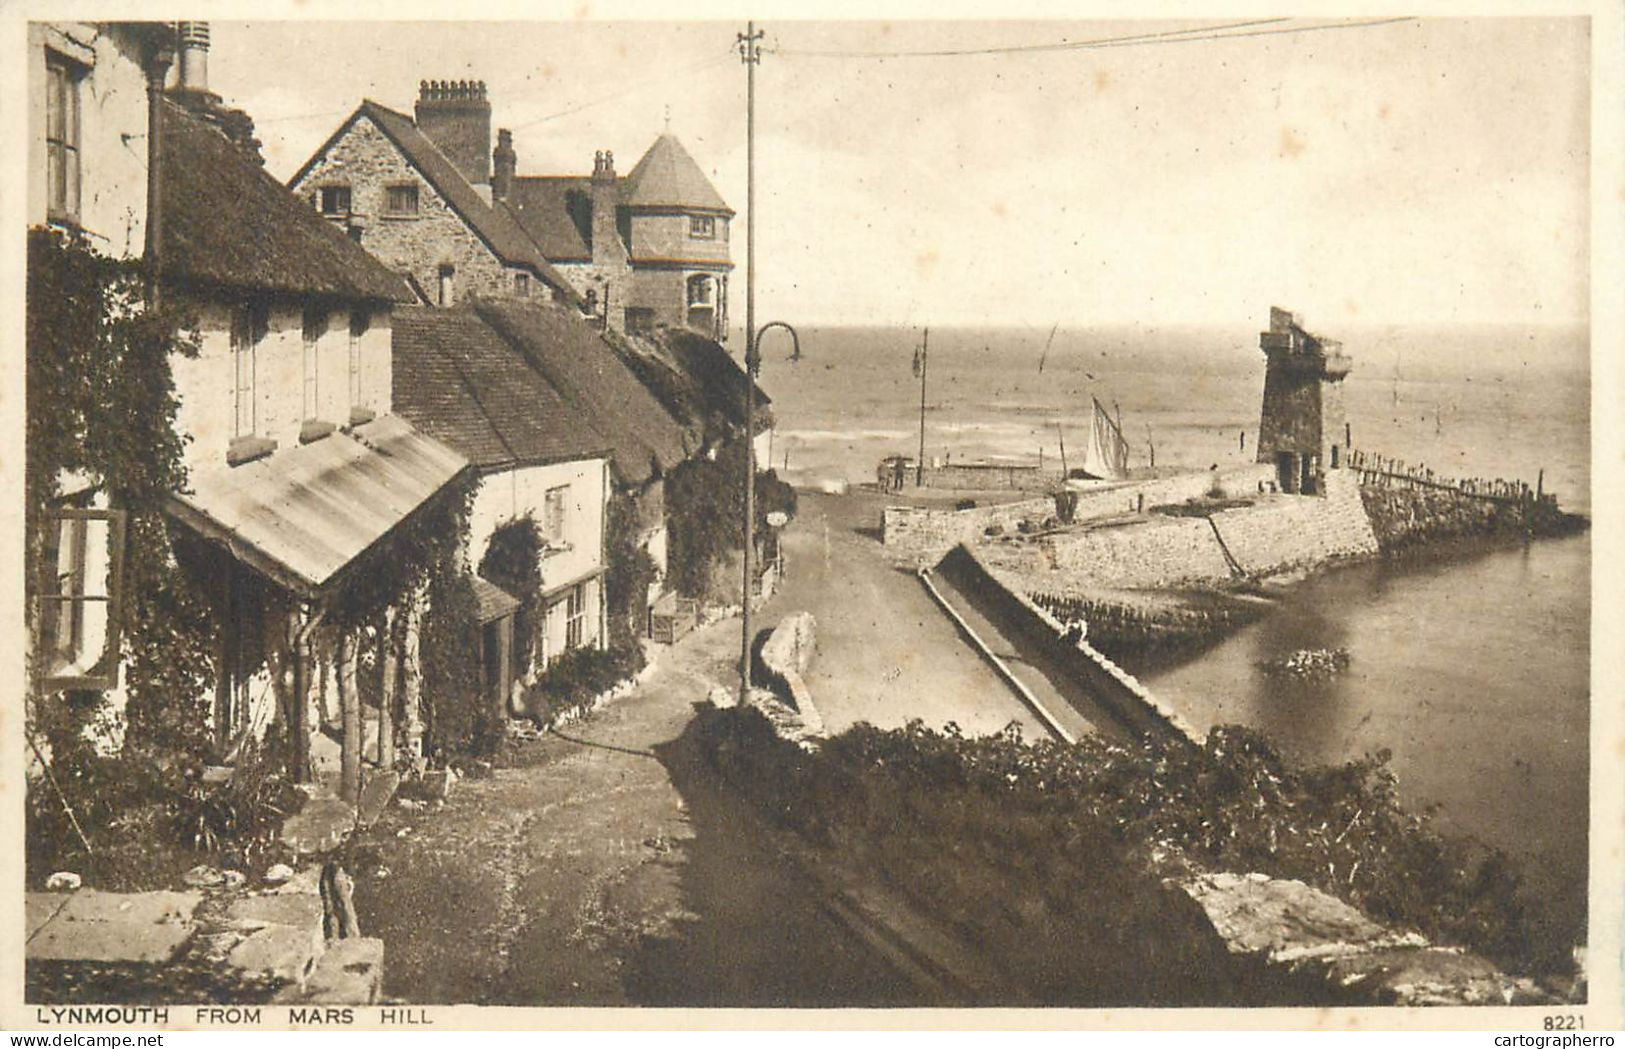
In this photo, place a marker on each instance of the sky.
(1427, 171)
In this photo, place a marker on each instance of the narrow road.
(605, 865)
(886, 652)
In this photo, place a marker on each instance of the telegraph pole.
(749, 53)
(924, 357)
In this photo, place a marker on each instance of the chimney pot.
(456, 117)
(194, 48)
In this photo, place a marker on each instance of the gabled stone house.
(417, 195)
(642, 251)
(651, 248)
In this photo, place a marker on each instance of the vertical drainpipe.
(157, 70)
(603, 555)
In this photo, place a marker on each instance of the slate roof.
(667, 177)
(577, 362)
(492, 601)
(461, 383)
(227, 222)
(556, 210)
(495, 224)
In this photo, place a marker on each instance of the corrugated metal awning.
(302, 514)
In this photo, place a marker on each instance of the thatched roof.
(226, 222)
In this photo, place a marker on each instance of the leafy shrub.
(580, 676)
(1230, 805)
(513, 561)
(629, 572)
(705, 502)
(459, 716)
(240, 817)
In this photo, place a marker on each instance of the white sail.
(1105, 453)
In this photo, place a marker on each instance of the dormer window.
(521, 285)
(401, 201)
(702, 227)
(335, 201)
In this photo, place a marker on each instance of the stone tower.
(1301, 429)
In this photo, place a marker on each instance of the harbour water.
(1472, 668)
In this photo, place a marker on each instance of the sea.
(1472, 668)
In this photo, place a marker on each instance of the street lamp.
(753, 368)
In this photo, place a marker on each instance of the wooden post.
(388, 668)
(350, 709)
(412, 678)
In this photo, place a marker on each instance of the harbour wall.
(1291, 532)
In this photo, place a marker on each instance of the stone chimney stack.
(504, 162)
(607, 249)
(456, 116)
(194, 47)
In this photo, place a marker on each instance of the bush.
(459, 716)
(705, 505)
(513, 561)
(578, 678)
(240, 817)
(1230, 805)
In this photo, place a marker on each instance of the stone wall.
(1161, 552)
(922, 535)
(664, 236)
(787, 654)
(1287, 532)
(1111, 499)
(991, 476)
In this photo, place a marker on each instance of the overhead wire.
(695, 67)
(1222, 31)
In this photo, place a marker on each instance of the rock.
(722, 698)
(376, 794)
(281, 952)
(233, 879)
(435, 785)
(350, 972)
(142, 927)
(278, 873)
(409, 805)
(319, 827)
(204, 876)
(62, 881)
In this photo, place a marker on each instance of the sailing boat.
(1105, 453)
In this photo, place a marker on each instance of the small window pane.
(401, 200)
